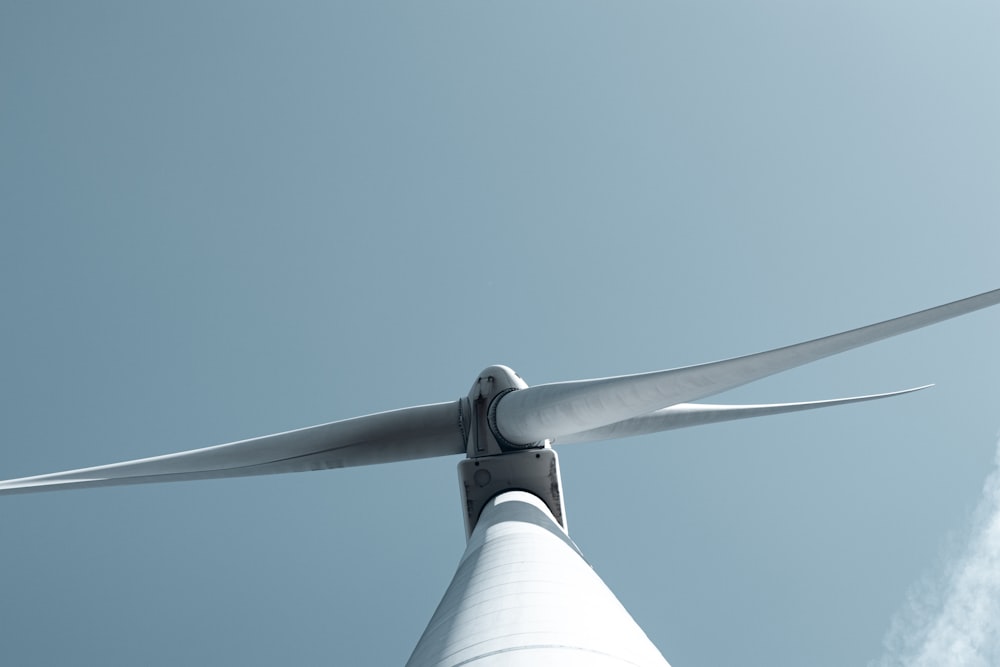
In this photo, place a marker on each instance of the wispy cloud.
(956, 621)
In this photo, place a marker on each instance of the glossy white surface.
(551, 411)
(524, 595)
(697, 414)
(398, 435)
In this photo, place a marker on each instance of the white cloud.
(956, 621)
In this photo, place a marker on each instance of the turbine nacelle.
(494, 464)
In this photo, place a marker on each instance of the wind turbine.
(523, 592)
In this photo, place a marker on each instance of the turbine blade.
(559, 409)
(697, 414)
(399, 435)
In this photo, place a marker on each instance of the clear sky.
(221, 220)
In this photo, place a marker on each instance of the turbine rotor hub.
(483, 436)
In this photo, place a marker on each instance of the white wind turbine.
(523, 593)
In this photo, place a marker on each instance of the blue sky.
(235, 219)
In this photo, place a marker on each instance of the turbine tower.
(523, 594)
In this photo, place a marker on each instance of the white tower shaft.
(524, 595)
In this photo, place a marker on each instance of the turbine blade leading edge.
(698, 414)
(552, 411)
(399, 435)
